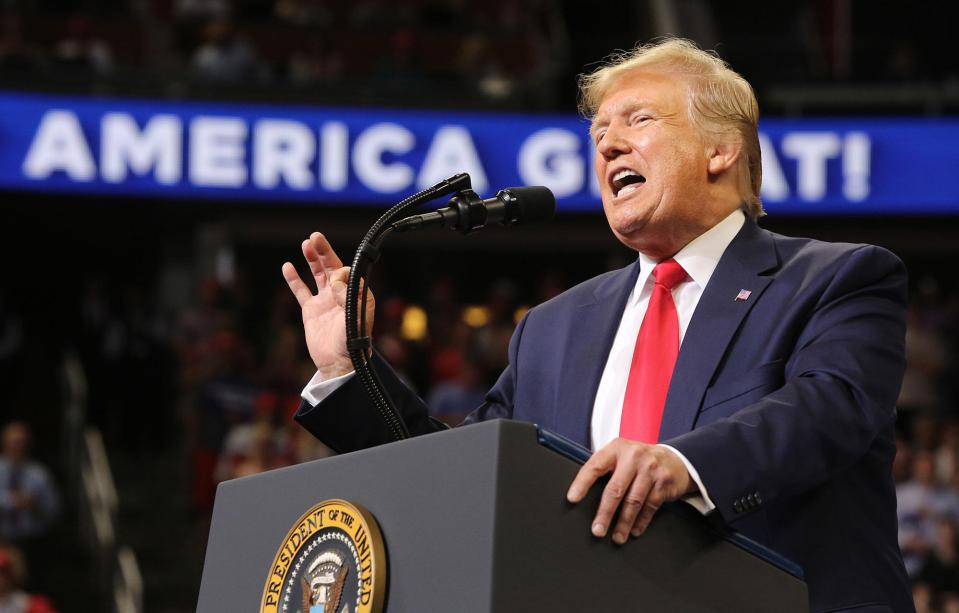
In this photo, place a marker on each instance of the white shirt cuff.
(319, 389)
(700, 501)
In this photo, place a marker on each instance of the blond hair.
(721, 102)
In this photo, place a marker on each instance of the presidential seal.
(331, 561)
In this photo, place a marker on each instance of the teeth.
(620, 187)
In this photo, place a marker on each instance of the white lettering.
(124, 147)
(59, 145)
(551, 157)
(217, 151)
(452, 151)
(282, 149)
(368, 162)
(811, 150)
(334, 158)
(774, 186)
(855, 166)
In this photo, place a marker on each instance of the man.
(766, 367)
(29, 500)
(12, 597)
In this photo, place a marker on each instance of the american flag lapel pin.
(743, 295)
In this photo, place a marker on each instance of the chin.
(627, 222)
(630, 235)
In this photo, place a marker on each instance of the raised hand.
(324, 320)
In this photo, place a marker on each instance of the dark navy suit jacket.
(784, 402)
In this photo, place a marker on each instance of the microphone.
(466, 212)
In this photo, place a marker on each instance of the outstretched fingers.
(321, 257)
(330, 260)
(315, 261)
(297, 286)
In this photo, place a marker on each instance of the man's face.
(16, 442)
(652, 164)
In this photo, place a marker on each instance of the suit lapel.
(714, 323)
(596, 322)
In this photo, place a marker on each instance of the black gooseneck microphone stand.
(358, 341)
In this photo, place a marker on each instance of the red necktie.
(654, 357)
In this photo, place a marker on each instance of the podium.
(475, 519)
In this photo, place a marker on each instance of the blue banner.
(362, 156)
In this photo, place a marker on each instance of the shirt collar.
(700, 256)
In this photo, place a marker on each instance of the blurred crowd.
(239, 386)
(520, 54)
(490, 49)
(927, 456)
(233, 367)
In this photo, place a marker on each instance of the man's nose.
(613, 143)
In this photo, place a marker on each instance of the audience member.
(243, 444)
(451, 401)
(12, 597)
(307, 13)
(263, 453)
(919, 501)
(29, 500)
(922, 597)
(225, 398)
(317, 63)
(80, 48)
(491, 341)
(19, 57)
(225, 56)
(941, 568)
(195, 10)
(925, 360)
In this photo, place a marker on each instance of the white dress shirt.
(699, 259)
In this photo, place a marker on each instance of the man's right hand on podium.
(324, 318)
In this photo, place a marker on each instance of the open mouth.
(626, 181)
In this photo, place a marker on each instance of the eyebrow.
(627, 107)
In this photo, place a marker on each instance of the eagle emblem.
(332, 560)
(323, 583)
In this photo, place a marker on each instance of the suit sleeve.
(841, 385)
(346, 420)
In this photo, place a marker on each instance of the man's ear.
(723, 154)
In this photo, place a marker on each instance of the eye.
(638, 119)
(598, 135)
